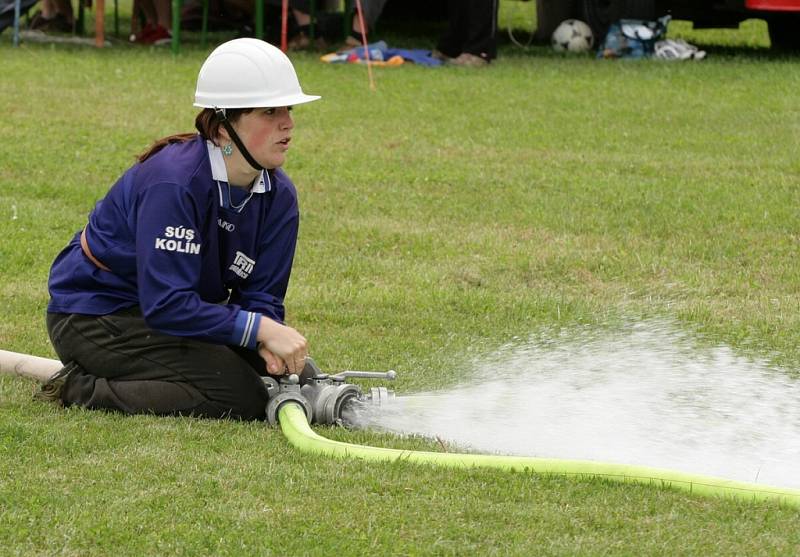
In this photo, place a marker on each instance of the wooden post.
(99, 23)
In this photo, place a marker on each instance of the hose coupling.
(324, 397)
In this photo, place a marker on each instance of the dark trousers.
(125, 365)
(472, 28)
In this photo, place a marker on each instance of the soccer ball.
(572, 35)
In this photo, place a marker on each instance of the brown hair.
(207, 125)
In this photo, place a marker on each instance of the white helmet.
(248, 73)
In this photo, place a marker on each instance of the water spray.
(324, 399)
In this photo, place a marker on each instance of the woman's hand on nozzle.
(282, 347)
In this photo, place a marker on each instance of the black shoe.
(51, 389)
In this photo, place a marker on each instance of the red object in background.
(773, 5)
(284, 23)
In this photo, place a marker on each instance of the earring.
(227, 150)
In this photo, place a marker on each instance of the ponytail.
(163, 142)
(207, 126)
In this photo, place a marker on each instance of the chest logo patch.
(242, 265)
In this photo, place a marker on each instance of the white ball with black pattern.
(572, 35)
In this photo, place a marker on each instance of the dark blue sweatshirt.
(199, 257)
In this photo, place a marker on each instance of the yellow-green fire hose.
(293, 422)
(300, 435)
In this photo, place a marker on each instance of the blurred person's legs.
(163, 14)
(301, 38)
(157, 15)
(372, 11)
(54, 15)
(225, 15)
(301, 12)
(299, 33)
(471, 36)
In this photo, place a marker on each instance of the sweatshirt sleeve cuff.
(245, 329)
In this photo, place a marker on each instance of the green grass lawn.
(443, 215)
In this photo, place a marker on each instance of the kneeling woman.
(170, 300)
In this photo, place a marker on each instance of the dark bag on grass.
(633, 38)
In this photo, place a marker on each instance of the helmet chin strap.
(223, 119)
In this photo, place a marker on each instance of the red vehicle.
(782, 16)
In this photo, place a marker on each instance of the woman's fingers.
(285, 344)
(275, 365)
(298, 363)
(294, 354)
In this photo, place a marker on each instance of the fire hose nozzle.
(323, 397)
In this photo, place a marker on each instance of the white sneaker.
(678, 49)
